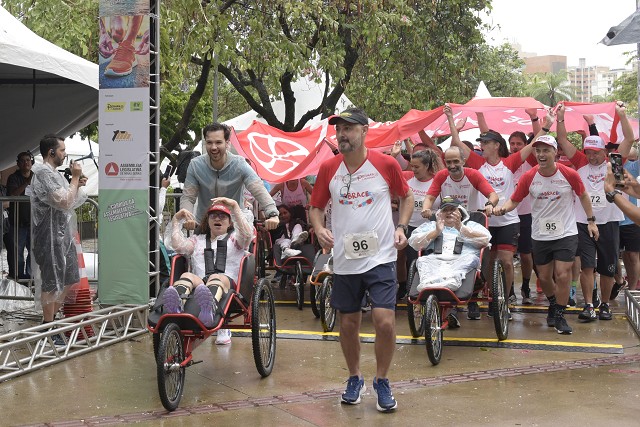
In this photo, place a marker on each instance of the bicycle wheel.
(314, 299)
(156, 344)
(415, 312)
(261, 262)
(299, 285)
(499, 304)
(327, 313)
(263, 327)
(170, 373)
(433, 331)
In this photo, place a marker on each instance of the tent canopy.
(43, 89)
(627, 32)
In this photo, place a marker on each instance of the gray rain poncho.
(203, 182)
(53, 222)
(447, 269)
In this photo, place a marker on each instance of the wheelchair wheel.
(314, 299)
(170, 373)
(433, 330)
(156, 344)
(261, 262)
(263, 327)
(499, 303)
(415, 313)
(299, 285)
(327, 313)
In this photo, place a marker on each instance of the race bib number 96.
(360, 245)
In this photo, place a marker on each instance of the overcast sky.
(572, 28)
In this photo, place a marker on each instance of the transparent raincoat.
(204, 183)
(194, 246)
(448, 269)
(53, 227)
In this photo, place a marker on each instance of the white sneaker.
(224, 337)
(300, 238)
(287, 253)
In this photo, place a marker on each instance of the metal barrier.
(87, 228)
(33, 348)
(632, 299)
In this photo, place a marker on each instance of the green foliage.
(625, 88)
(390, 55)
(550, 88)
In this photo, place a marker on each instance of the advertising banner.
(124, 157)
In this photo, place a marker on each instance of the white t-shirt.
(593, 180)
(361, 210)
(524, 208)
(294, 197)
(469, 190)
(552, 211)
(420, 189)
(500, 177)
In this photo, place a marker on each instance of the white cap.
(546, 139)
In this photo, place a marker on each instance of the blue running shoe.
(204, 298)
(386, 402)
(171, 300)
(355, 389)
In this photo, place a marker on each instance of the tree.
(550, 88)
(625, 88)
(392, 55)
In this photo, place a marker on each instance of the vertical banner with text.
(124, 162)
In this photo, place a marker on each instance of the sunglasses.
(346, 180)
(217, 215)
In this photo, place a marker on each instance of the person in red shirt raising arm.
(554, 231)
(360, 184)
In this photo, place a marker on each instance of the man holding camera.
(591, 165)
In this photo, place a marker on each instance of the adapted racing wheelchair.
(250, 305)
(428, 309)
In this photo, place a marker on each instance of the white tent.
(43, 89)
(308, 95)
(474, 133)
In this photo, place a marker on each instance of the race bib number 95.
(360, 245)
(551, 227)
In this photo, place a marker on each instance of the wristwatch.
(404, 228)
(489, 203)
(271, 215)
(591, 219)
(611, 194)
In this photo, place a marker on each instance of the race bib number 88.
(360, 245)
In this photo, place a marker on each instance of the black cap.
(449, 201)
(491, 135)
(351, 115)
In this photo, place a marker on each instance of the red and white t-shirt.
(420, 189)
(361, 222)
(593, 180)
(469, 190)
(552, 210)
(500, 177)
(524, 208)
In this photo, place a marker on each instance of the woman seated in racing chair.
(448, 259)
(213, 271)
(289, 236)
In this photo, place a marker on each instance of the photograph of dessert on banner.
(124, 51)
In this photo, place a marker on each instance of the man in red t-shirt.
(360, 184)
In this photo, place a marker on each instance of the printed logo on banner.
(111, 169)
(136, 106)
(121, 136)
(115, 107)
(278, 155)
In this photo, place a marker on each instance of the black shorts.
(630, 238)
(505, 237)
(381, 282)
(545, 251)
(524, 240)
(606, 248)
